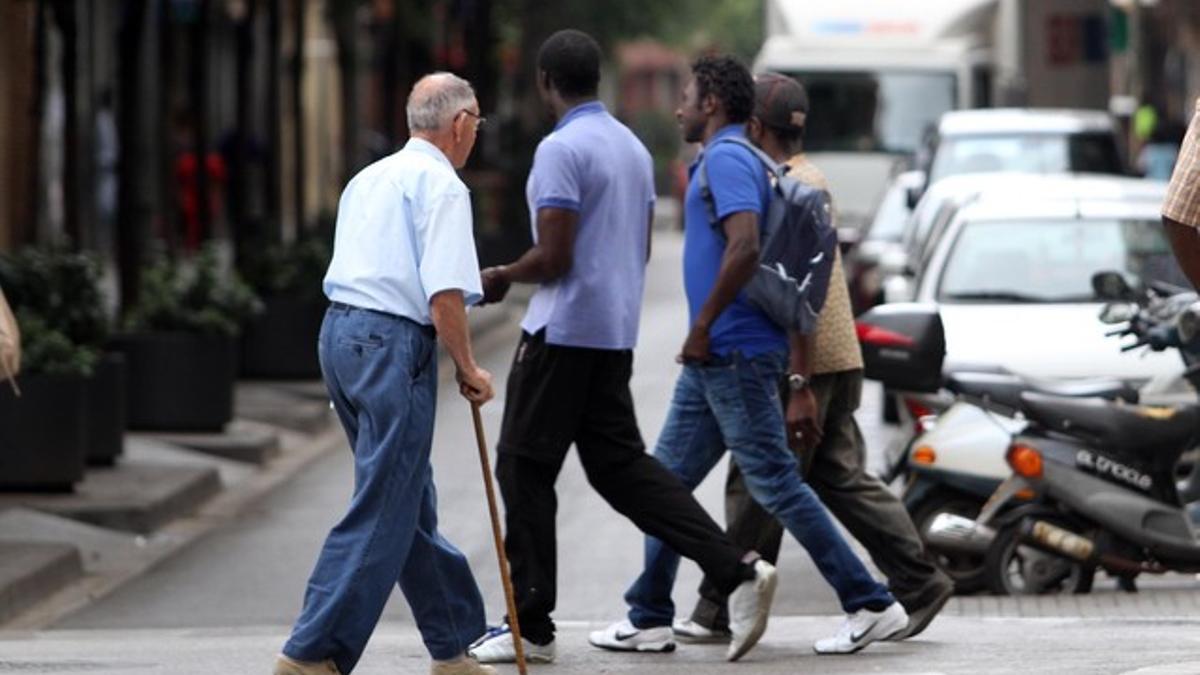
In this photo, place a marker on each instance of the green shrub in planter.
(180, 344)
(61, 288)
(281, 343)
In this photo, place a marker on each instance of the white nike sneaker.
(686, 630)
(496, 646)
(864, 627)
(623, 637)
(749, 609)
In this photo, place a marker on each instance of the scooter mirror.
(1188, 323)
(1113, 286)
(1117, 312)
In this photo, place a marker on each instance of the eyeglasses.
(479, 119)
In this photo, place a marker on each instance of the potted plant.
(180, 345)
(60, 288)
(42, 432)
(281, 343)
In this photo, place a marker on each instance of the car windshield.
(1051, 261)
(888, 224)
(873, 112)
(1030, 153)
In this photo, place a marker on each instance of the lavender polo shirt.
(594, 165)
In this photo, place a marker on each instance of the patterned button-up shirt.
(1183, 194)
(836, 349)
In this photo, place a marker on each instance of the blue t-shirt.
(594, 165)
(738, 182)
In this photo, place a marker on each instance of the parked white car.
(1041, 141)
(1011, 273)
(941, 202)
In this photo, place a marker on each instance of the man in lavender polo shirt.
(591, 193)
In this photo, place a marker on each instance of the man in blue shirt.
(591, 193)
(404, 264)
(734, 359)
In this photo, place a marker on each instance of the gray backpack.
(797, 249)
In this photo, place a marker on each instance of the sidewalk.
(951, 645)
(62, 552)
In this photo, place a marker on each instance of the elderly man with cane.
(404, 268)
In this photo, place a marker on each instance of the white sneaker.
(862, 628)
(686, 630)
(496, 646)
(623, 637)
(749, 609)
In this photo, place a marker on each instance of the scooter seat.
(1159, 434)
(1005, 389)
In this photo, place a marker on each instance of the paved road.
(253, 573)
(954, 646)
(240, 588)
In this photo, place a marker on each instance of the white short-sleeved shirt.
(404, 234)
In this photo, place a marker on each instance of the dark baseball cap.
(780, 101)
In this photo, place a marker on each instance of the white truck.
(881, 72)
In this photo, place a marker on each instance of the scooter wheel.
(966, 569)
(1015, 568)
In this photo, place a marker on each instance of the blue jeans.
(381, 372)
(733, 402)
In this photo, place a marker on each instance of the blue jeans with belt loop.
(381, 372)
(733, 402)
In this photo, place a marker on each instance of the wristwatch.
(797, 382)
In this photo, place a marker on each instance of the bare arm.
(1185, 243)
(549, 259)
(738, 265)
(649, 233)
(449, 315)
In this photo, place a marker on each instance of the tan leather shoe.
(463, 666)
(285, 665)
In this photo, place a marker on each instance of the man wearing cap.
(835, 466)
(1181, 210)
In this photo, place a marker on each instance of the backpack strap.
(773, 168)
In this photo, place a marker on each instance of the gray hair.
(436, 99)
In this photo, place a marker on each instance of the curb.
(175, 537)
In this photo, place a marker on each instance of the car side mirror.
(1113, 287)
(1117, 312)
(912, 196)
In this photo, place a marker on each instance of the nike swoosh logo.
(857, 637)
(626, 636)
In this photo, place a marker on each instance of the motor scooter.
(955, 459)
(1100, 477)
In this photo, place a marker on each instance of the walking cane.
(509, 598)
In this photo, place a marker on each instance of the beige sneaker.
(463, 666)
(285, 665)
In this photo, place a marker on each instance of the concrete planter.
(281, 343)
(179, 381)
(106, 419)
(42, 433)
